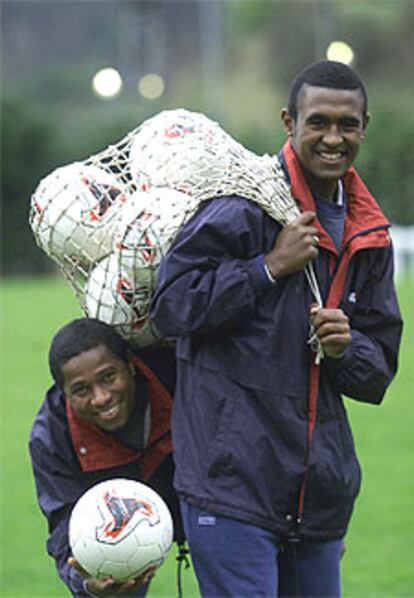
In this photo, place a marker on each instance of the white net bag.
(189, 152)
(108, 221)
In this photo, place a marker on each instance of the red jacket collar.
(363, 212)
(96, 449)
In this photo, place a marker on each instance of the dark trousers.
(235, 559)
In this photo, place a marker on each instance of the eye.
(316, 122)
(350, 125)
(109, 377)
(80, 391)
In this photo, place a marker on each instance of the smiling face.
(326, 134)
(100, 387)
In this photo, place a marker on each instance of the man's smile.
(109, 413)
(331, 156)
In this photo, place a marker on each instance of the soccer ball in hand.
(120, 528)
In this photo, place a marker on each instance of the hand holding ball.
(120, 528)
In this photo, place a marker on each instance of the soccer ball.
(117, 295)
(148, 226)
(179, 149)
(74, 210)
(120, 528)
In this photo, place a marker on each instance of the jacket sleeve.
(370, 362)
(213, 274)
(57, 491)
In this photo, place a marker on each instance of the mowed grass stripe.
(378, 561)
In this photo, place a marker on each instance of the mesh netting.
(108, 221)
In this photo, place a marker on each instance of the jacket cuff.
(77, 584)
(260, 276)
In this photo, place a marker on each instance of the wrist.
(87, 588)
(272, 270)
(269, 274)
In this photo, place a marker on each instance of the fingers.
(99, 587)
(108, 586)
(295, 246)
(126, 587)
(332, 328)
(147, 575)
(130, 585)
(306, 218)
(313, 310)
(305, 222)
(324, 318)
(303, 232)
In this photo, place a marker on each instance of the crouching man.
(106, 416)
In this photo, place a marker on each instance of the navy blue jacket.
(260, 432)
(70, 456)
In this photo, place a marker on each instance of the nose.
(101, 396)
(332, 136)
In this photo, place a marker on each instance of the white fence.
(403, 240)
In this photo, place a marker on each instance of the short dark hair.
(326, 73)
(82, 335)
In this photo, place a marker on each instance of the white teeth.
(109, 411)
(331, 156)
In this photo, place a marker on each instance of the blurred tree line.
(242, 59)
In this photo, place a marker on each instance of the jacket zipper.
(315, 369)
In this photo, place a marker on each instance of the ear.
(367, 119)
(288, 122)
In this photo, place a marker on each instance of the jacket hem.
(286, 533)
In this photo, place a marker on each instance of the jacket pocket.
(218, 453)
(334, 475)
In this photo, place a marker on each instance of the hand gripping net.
(150, 183)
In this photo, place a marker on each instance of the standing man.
(265, 461)
(107, 416)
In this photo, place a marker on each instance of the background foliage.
(232, 59)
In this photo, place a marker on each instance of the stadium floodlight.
(340, 52)
(107, 83)
(151, 86)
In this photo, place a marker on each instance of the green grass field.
(379, 561)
